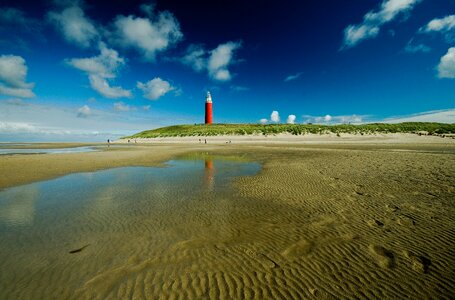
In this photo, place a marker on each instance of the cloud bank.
(25, 122)
(440, 116)
(344, 119)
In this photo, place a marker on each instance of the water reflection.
(129, 190)
(129, 216)
(209, 175)
(18, 206)
(5, 151)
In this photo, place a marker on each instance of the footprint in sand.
(383, 256)
(392, 208)
(375, 223)
(419, 263)
(405, 220)
(265, 261)
(297, 250)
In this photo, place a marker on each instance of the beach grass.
(295, 129)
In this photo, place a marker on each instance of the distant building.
(208, 109)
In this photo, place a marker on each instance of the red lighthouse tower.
(208, 109)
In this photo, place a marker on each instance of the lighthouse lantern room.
(208, 109)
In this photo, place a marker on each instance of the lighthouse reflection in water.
(214, 172)
(209, 175)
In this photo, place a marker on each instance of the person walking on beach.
(108, 143)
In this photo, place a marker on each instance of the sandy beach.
(286, 138)
(326, 217)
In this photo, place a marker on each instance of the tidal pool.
(74, 236)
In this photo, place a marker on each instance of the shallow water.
(47, 227)
(309, 224)
(35, 204)
(6, 151)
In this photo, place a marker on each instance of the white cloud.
(291, 119)
(58, 122)
(354, 119)
(75, 27)
(17, 127)
(220, 59)
(13, 73)
(263, 121)
(292, 77)
(443, 24)
(30, 132)
(440, 116)
(155, 88)
(416, 48)
(349, 119)
(216, 62)
(16, 92)
(101, 68)
(106, 65)
(275, 116)
(195, 57)
(83, 112)
(373, 21)
(446, 67)
(101, 85)
(149, 35)
(120, 106)
(355, 33)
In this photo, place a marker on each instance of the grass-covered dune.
(296, 129)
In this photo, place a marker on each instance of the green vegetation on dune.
(296, 129)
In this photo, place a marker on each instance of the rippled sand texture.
(359, 223)
(313, 223)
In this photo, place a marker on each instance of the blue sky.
(90, 70)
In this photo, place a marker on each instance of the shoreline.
(327, 138)
(23, 169)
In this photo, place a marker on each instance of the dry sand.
(287, 138)
(327, 220)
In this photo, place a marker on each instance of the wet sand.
(352, 220)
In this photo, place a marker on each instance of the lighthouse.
(208, 109)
